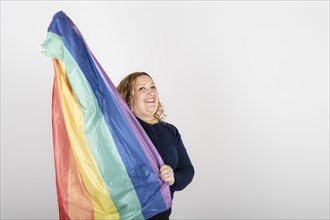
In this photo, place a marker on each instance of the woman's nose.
(150, 91)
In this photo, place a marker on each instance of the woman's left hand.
(167, 174)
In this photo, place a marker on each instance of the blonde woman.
(140, 93)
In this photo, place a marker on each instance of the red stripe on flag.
(73, 199)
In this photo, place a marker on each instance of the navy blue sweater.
(167, 141)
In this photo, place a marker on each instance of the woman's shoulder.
(169, 126)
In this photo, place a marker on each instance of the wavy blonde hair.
(126, 90)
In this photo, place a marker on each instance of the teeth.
(150, 100)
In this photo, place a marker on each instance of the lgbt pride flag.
(106, 166)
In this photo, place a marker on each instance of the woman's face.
(145, 98)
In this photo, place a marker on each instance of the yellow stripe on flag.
(103, 205)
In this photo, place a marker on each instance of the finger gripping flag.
(106, 166)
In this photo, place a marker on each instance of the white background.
(245, 82)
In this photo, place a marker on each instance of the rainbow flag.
(106, 166)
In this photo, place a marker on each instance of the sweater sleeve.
(184, 171)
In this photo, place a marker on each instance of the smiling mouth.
(150, 100)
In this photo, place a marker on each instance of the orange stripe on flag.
(70, 187)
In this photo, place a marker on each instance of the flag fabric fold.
(106, 166)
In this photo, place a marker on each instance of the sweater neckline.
(146, 123)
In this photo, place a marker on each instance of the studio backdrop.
(245, 82)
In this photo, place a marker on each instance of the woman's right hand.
(167, 174)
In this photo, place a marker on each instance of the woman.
(140, 93)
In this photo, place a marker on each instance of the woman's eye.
(153, 87)
(141, 88)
